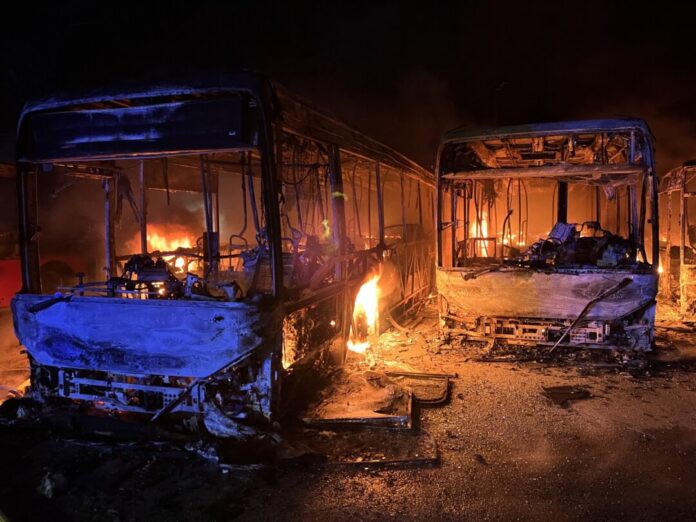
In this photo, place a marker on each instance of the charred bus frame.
(570, 281)
(678, 238)
(261, 310)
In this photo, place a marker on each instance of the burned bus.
(236, 224)
(542, 236)
(678, 238)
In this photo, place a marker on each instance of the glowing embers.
(365, 326)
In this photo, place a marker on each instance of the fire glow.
(161, 243)
(365, 323)
(479, 233)
(160, 239)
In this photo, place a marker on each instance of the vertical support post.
(618, 210)
(668, 257)
(683, 294)
(217, 209)
(271, 169)
(403, 206)
(453, 225)
(467, 209)
(633, 195)
(28, 226)
(654, 218)
(562, 207)
(109, 217)
(419, 202)
(438, 222)
(143, 209)
(380, 204)
(369, 208)
(211, 245)
(598, 205)
(338, 205)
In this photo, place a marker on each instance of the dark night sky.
(401, 74)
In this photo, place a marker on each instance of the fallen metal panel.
(427, 388)
(557, 295)
(351, 416)
(133, 336)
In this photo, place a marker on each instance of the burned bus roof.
(614, 151)
(548, 129)
(286, 108)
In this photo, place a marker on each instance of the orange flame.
(479, 232)
(365, 316)
(164, 239)
(158, 241)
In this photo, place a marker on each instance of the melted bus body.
(547, 234)
(678, 238)
(235, 224)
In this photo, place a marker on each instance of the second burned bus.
(548, 234)
(236, 225)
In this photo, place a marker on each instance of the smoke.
(668, 111)
(409, 114)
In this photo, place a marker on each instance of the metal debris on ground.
(374, 448)
(427, 388)
(362, 399)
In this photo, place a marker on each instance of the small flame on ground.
(365, 316)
